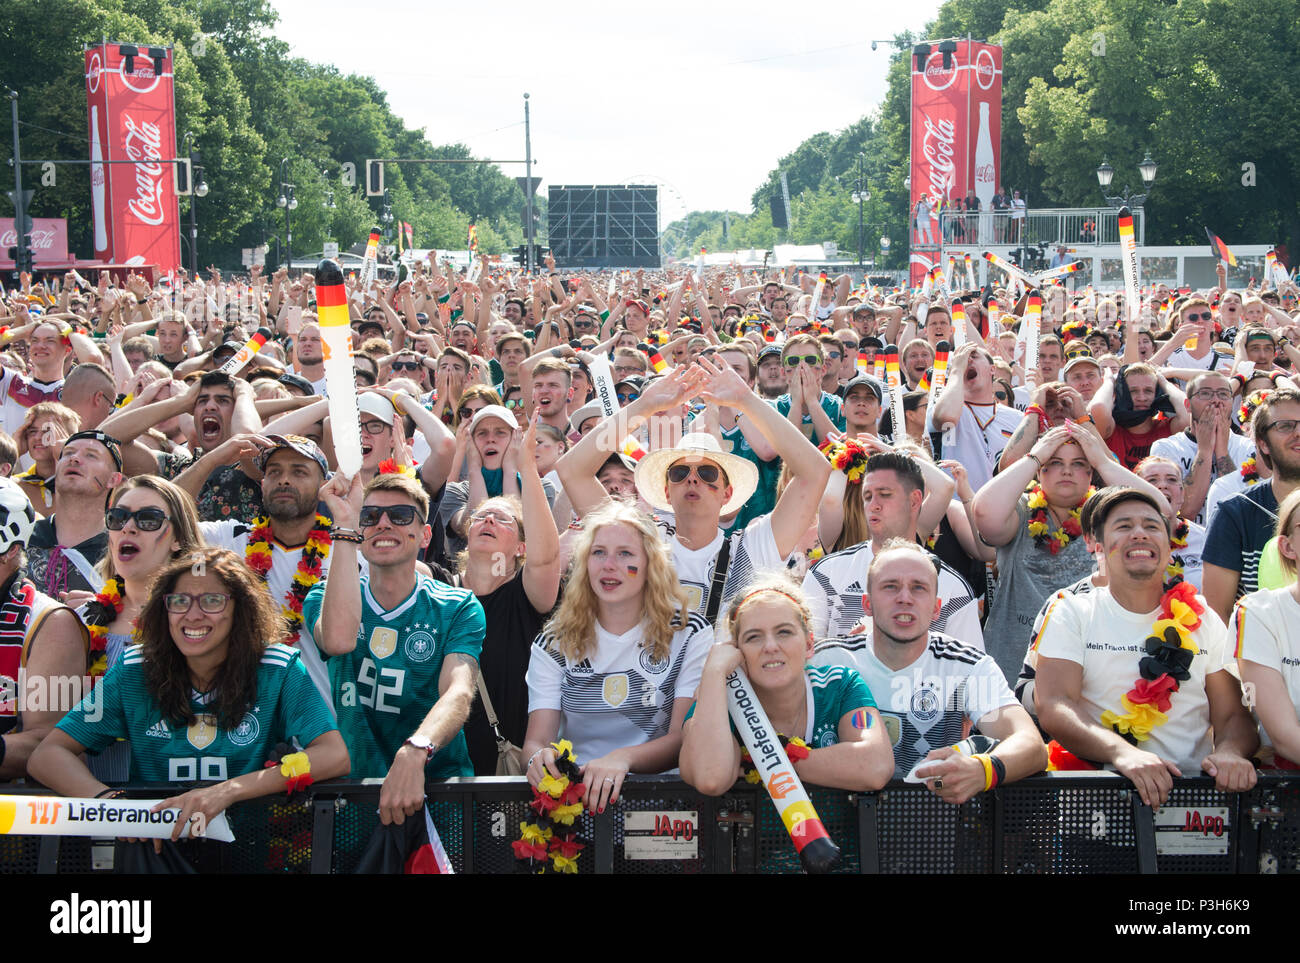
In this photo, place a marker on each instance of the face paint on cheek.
(862, 719)
(632, 570)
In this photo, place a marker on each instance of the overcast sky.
(740, 85)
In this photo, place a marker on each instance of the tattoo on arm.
(1224, 465)
(1196, 464)
(469, 660)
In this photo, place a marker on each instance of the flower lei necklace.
(1249, 471)
(257, 555)
(1167, 663)
(101, 613)
(795, 750)
(1039, 522)
(1174, 570)
(847, 456)
(550, 841)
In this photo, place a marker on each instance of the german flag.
(1221, 250)
(656, 359)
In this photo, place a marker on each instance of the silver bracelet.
(533, 757)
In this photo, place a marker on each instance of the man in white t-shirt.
(699, 483)
(1195, 324)
(930, 688)
(1092, 660)
(976, 428)
(309, 357)
(1208, 449)
(294, 469)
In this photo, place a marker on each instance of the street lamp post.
(287, 201)
(198, 188)
(860, 197)
(1106, 173)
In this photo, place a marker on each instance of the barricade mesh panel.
(75, 855)
(920, 833)
(272, 835)
(838, 813)
(1279, 839)
(1093, 831)
(19, 855)
(355, 820)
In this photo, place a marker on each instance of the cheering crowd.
(586, 498)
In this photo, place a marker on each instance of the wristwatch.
(423, 742)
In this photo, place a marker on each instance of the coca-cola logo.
(143, 142)
(985, 69)
(94, 71)
(984, 174)
(938, 147)
(41, 240)
(142, 79)
(936, 77)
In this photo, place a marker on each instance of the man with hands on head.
(1091, 651)
(980, 425)
(1209, 448)
(402, 649)
(1062, 462)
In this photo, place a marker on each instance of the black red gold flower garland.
(847, 456)
(257, 554)
(550, 841)
(100, 614)
(1039, 524)
(1249, 471)
(1174, 570)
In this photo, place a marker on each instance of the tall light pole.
(1106, 173)
(289, 203)
(198, 188)
(860, 197)
(529, 239)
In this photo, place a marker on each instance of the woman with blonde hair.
(44, 429)
(615, 669)
(825, 715)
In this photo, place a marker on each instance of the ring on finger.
(938, 784)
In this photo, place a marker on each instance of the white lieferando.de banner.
(132, 818)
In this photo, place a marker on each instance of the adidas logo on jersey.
(159, 730)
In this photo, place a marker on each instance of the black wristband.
(2, 750)
(999, 770)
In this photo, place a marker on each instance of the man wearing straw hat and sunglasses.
(699, 483)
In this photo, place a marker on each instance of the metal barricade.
(1065, 823)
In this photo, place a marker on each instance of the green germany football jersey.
(385, 686)
(288, 707)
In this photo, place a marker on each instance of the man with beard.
(1092, 646)
(1209, 448)
(933, 689)
(772, 379)
(1243, 524)
(289, 545)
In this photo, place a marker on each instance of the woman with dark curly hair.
(206, 697)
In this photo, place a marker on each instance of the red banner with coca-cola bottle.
(133, 118)
(956, 142)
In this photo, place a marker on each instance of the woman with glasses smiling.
(205, 697)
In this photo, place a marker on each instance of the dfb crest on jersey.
(203, 731)
(615, 690)
(383, 642)
(926, 704)
(419, 646)
(651, 664)
(246, 732)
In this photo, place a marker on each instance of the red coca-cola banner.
(956, 139)
(133, 118)
(49, 241)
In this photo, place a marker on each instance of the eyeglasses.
(628, 398)
(501, 518)
(406, 366)
(178, 603)
(810, 359)
(1210, 394)
(1288, 426)
(146, 519)
(708, 474)
(374, 427)
(1199, 316)
(400, 515)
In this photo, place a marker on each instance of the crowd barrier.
(1053, 823)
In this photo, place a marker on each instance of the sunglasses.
(146, 519)
(709, 474)
(501, 518)
(1200, 316)
(810, 359)
(178, 603)
(514, 403)
(834, 355)
(406, 366)
(400, 515)
(1000, 395)
(465, 413)
(631, 396)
